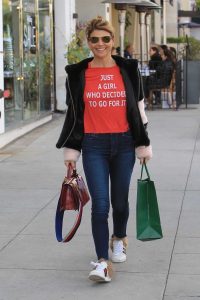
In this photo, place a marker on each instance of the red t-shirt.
(105, 101)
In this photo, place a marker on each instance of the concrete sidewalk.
(33, 265)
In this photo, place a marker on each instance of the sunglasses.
(95, 39)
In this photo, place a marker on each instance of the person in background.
(168, 61)
(168, 69)
(114, 51)
(173, 81)
(128, 51)
(162, 48)
(161, 79)
(105, 120)
(155, 58)
(118, 50)
(154, 63)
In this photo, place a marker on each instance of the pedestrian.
(128, 51)
(107, 121)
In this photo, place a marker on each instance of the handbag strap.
(59, 223)
(144, 165)
(71, 172)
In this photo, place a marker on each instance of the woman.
(106, 120)
(155, 58)
(154, 63)
(168, 66)
(169, 69)
(160, 81)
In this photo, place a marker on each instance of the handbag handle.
(144, 165)
(71, 172)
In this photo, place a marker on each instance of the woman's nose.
(100, 42)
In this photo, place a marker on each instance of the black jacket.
(155, 61)
(73, 129)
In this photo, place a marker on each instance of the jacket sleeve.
(68, 99)
(143, 151)
(140, 85)
(140, 103)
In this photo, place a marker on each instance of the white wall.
(64, 28)
(172, 26)
(157, 32)
(185, 5)
(89, 9)
(2, 118)
(195, 32)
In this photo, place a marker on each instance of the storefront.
(28, 60)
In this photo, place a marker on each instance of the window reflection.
(28, 48)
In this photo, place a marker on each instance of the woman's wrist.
(71, 154)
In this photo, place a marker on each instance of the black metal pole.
(186, 76)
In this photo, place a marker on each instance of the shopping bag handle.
(144, 165)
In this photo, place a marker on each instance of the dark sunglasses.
(95, 39)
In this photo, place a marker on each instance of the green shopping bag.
(147, 212)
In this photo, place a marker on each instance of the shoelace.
(98, 266)
(118, 247)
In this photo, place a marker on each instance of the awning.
(144, 3)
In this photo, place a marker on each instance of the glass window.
(28, 67)
(45, 55)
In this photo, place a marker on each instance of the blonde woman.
(107, 122)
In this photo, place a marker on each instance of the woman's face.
(161, 51)
(100, 43)
(151, 52)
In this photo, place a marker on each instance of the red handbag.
(73, 196)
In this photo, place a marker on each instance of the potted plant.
(76, 49)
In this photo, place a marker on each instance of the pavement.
(33, 265)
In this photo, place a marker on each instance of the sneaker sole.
(117, 260)
(98, 278)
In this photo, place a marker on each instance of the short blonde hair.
(98, 23)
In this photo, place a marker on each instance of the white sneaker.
(118, 251)
(100, 273)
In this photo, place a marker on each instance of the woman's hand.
(142, 161)
(70, 162)
(144, 153)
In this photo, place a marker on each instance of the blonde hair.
(98, 23)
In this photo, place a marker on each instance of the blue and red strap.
(59, 223)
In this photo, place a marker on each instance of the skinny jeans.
(108, 158)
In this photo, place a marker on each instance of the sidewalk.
(33, 265)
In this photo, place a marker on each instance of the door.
(45, 55)
(13, 79)
(30, 59)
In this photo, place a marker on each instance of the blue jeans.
(108, 156)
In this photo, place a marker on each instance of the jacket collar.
(128, 64)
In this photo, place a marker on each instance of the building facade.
(28, 59)
(64, 27)
(31, 69)
(33, 43)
